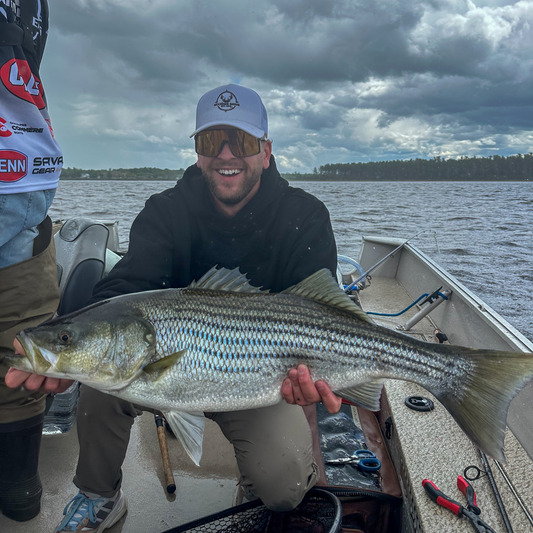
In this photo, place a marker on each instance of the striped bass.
(222, 345)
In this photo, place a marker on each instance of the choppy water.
(484, 229)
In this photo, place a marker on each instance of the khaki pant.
(28, 296)
(273, 448)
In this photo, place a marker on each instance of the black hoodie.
(279, 238)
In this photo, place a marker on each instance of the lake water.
(483, 229)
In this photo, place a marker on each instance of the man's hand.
(299, 389)
(15, 378)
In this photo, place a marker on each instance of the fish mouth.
(37, 360)
(18, 361)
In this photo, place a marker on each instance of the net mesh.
(319, 512)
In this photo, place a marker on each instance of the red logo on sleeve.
(13, 165)
(18, 78)
(4, 130)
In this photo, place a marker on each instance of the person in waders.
(30, 164)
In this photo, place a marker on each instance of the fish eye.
(65, 337)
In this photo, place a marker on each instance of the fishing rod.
(169, 476)
(371, 269)
(496, 492)
(515, 492)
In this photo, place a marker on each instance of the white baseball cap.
(232, 105)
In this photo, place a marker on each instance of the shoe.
(92, 513)
(20, 485)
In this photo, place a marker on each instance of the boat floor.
(430, 445)
(200, 491)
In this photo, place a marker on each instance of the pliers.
(471, 511)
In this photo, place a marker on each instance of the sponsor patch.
(19, 80)
(13, 165)
(24, 128)
(4, 130)
(47, 165)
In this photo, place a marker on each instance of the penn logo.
(18, 78)
(13, 165)
(226, 101)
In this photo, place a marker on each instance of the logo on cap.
(226, 101)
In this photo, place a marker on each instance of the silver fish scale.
(239, 348)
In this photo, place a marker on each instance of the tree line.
(492, 168)
(517, 167)
(144, 174)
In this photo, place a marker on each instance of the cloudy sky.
(342, 80)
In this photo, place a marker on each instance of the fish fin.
(366, 395)
(222, 279)
(480, 400)
(158, 368)
(189, 428)
(322, 287)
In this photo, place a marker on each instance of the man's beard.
(218, 190)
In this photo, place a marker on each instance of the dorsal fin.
(222, 279)
(322, 287)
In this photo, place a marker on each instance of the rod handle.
(163, 446)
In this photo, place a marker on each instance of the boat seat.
(81, 246)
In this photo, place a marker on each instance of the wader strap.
(11, 34)
(20, 34)
(26, 21)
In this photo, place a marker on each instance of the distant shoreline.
(517, 167)
(289, 178)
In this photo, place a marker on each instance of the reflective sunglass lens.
(210, 143)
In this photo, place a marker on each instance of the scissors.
(365, 460)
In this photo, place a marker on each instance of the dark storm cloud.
(130, 40)
(454, 99)
(283, 42)
(370, 77)
(304, 43)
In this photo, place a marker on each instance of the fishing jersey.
(30, 157)
(280, 237)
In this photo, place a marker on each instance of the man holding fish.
(176, 327)
(232, 209)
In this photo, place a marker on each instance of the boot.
(20, 485)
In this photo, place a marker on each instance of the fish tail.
(479, 402)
